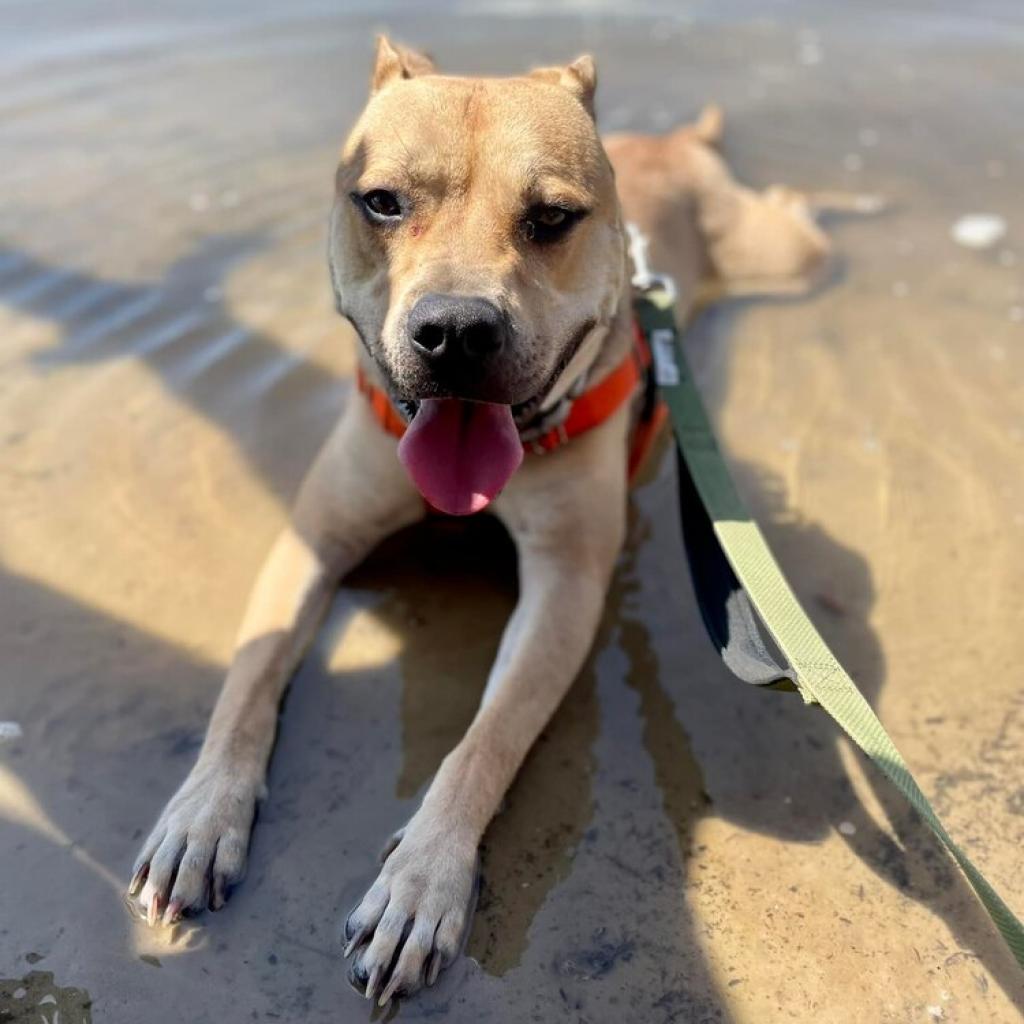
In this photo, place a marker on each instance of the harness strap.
(598, 403)
(386, 414)
(739, 585)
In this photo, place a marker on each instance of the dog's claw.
(353, 934)
(138, 878)
(153, 913)
(218, 895)
(173, 912)
(374, 981)
(352, 943)
(385, 996)
(433, 967)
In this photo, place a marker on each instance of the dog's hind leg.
(566, 512)
(355, 494)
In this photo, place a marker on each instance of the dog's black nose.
(456, 328)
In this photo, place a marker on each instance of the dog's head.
(476, 242)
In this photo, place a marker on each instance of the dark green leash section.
(740, 589)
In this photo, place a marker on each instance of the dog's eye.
(549, 223)
(380, 205)
(551, 216)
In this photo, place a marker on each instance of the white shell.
(978, 230)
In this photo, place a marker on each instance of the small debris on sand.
(10, 731)
(978, 230)
(809, 54)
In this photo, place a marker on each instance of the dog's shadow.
(181, 328)
(450, 622)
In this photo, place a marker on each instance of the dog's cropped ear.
(579, 77)
(395, 62)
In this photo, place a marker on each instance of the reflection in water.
(676, 769)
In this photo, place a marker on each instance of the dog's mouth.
(460, 454)
(521, 411)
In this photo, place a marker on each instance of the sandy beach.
(679, 847)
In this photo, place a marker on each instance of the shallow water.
(673, 849)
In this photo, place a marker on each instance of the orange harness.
(588, 410)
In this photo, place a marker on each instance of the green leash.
(812, 668)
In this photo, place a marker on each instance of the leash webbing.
(735, 576)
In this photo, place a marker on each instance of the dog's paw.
(198, 848)
(413, 921)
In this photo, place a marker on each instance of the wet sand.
(678, 847)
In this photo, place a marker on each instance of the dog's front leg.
(355, 494)
(413, 920)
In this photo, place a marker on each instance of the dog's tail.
(709, 125)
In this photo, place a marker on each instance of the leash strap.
(739, 585)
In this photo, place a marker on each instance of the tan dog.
(478, 246)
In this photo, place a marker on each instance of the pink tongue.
(460, 454)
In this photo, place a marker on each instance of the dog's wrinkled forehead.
(517, 140)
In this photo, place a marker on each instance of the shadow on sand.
(432, 583)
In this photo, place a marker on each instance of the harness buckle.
(660, 282)
(644, 279)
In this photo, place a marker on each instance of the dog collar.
(583, 412)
